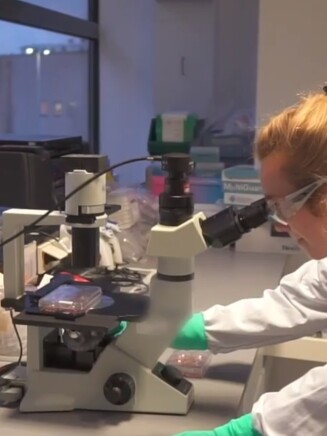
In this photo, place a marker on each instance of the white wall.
(292, 52)
(236, 43)
(218, 39)
(126, 97)
(184, 56)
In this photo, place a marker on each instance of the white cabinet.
(184, 56)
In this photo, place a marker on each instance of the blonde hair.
(300, 133)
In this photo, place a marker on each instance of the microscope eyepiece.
(230, 224)
(254, 215)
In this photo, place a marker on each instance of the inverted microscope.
(77, 355)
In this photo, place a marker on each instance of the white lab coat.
(296, 308)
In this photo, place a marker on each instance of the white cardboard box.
(241, 185)
(264, 240)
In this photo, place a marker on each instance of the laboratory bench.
(221, 277)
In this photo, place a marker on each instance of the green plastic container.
(157, 147)
(183, 127)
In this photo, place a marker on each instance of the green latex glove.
(117, 331)
(242, 426)
(192, 336)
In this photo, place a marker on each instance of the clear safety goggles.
(282, 209)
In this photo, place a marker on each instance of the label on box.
(173, 129)
(240, 187)
(236, 199)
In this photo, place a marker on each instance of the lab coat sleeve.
(296, 308)
(298, 409)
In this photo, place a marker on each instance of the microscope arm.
(171, 289)
(14, 220)
(175, 248)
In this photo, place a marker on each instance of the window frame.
(27, 14)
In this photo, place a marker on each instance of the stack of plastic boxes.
(206, 181)
(241, 187)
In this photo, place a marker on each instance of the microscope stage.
(126, 307)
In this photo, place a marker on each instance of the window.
(43, 82)
(49, 68)
(76, 8)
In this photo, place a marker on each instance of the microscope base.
(50, 390)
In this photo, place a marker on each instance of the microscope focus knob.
(119, 389)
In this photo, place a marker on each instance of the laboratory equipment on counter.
(76, 361)
(38, 161)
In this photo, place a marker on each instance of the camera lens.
(176, 202)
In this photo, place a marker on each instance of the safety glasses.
(282, 209)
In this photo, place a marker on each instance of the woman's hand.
(242, 426)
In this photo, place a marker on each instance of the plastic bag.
(132, 244)
(129, 212)
(138, 215)
(240, 122)
(9, 345)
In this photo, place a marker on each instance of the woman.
(292, 152)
